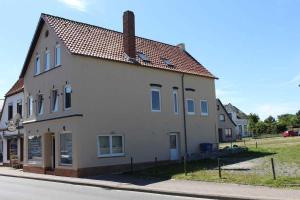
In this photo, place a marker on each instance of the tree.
(261, 128)
(270, 120)
(253, 119)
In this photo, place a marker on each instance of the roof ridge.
(87, 24)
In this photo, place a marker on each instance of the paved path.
(25, 189)
(175, 187)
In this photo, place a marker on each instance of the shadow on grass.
(168, 171)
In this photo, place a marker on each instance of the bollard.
(219, 166)
(131, 164)
(184, 165)
(273, 168)
(155, 165)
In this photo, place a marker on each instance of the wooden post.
(131, 164)
(184, 165)
(244, 142)
(219, 166)
(273, 168)
(256, 144)
(155, 165)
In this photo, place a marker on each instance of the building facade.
(98, 99)
(12, 132)
(240, 119)
(226, 126)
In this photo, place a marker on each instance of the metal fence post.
(273, 168)
(131, 164)
(219, 166)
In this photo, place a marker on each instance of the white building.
(11, 141)
(239, 118)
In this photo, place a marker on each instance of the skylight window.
(168, 62)
(143, 57)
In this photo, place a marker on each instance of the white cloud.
(294, 81)
(275, 109)
(80, 5)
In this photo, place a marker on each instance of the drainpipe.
(184, 117)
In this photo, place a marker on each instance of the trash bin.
(206, 147)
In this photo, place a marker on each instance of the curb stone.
(136, 189)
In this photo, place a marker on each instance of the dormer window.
(37, 65)
(57, 55)
(143, 57)
(167, 62)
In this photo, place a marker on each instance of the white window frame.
(37, 65)
(47, 58)
(56, 61)
(54, 108)
(187, 107)
(110, 147)
(65, 97)
(29, 106)
(175, 103)
(40, 112)
(222, 120)
(60, 163)
(151, 103)
(204, 113)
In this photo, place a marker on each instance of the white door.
(174, 153)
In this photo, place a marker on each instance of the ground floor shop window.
(66, 148)
(34, 148)
(110, 146)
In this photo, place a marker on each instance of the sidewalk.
(168, 187)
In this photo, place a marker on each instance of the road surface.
(26, 189)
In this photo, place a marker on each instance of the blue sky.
(253, 46)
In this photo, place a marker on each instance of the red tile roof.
(16, 88)
(88, 40)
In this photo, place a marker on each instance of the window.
(230, 115)
(222, 117)
(66, 149)
(40, 104)
(54, 101)
(57, 55)
(218, 107)
(155, 100)
(167, 62)
(47, 60)
(190, 104)
(19, 107)
(204, 108)
(111, 145)
(68, 92)
(29, 106)
(240, 129)
(10, 111)
(37, 65)
(228, 132)
(175, 101)
(143, 57)
(34, 148)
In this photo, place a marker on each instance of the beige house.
(226, 126)
(97, 98)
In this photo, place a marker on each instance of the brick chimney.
(129, 34)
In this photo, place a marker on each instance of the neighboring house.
(11, 139)
(226, 126)
(95, 98)
(239, 118)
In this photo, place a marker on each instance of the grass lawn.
(285, 151)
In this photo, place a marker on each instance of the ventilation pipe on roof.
(129, 34)
(181, 46)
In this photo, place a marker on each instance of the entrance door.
(174, 150)
(220, 134)
(21, 149)
(53, 152)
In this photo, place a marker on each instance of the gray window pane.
(191, 107)
(155, 100)
(117, 144)
(34, 147)
(104, 145)
(66, 148)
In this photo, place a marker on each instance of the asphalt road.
(26, 189)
